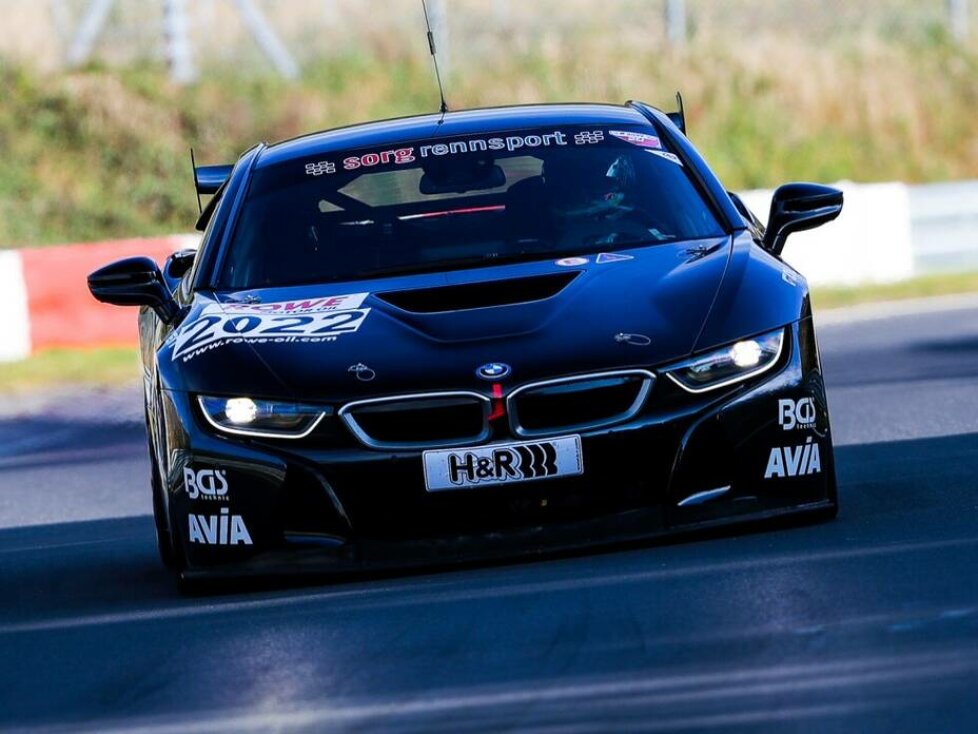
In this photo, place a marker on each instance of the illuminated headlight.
(727, 365)
(267, 418)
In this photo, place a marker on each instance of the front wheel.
(170, 558)
(164, 540)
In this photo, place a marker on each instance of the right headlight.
(264, 418)
(725, 366)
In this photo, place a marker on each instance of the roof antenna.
(193, 167)
(434, 57)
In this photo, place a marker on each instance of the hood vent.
(480, 295)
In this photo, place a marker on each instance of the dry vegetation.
(825, 90)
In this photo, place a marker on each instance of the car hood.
(640, 307)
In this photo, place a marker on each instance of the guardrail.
(944, 226)
(887, 232)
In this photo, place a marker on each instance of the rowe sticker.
(320, 304)
(309, 321)
(502, 463)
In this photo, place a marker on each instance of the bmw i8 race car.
(473, 335)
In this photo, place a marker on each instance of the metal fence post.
(957, 19)
(266, 38)
(60, 21)
(676, 22)
(178, 50)
(91, 25)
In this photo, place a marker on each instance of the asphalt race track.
(868, 623)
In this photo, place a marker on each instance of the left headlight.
(730, 364)
(265, 418)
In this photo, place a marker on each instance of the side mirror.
(135, 281)
(799, 206)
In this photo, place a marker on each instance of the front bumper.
(749, 452)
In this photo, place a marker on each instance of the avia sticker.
(642, 140)
(208, 484)
(214, 328)
(794, 414)
(589, 137)
(223, 529)
(668, 156)
(611, 257)
(570, 262)
(794, 461)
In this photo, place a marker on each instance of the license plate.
(502, 463)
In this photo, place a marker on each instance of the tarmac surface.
(867, 623)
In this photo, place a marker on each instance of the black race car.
(475, 334)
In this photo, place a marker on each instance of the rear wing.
(208, 179)
(679, 116)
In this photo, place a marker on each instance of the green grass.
(104, 367)
(929, 285)
(103, 153)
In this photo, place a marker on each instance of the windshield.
(462, 202)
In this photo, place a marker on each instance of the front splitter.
(373, 557)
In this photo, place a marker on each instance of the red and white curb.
(44, 298)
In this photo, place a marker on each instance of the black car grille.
(416, 421)
(578, 403)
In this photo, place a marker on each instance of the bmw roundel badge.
(493, 371)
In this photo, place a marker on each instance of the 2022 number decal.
(212, 330)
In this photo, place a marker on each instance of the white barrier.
(15, 324)
(870, 242)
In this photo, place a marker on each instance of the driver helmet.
(587, 182)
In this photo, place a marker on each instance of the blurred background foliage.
(775, 90)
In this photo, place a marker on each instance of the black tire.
(170, 556)
(164, 539)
